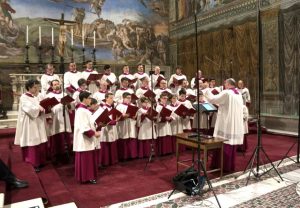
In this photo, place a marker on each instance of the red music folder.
(134, 97)
(71, 89)
(115, 113)
(182, 111)
(102, 117)
(158, 80)
(165, 112)
(48, 104)
(215, 92)
(149, 94)
(191, 98)
(66, 100)
(131, 110)
(152, 114)
(191, 112)
(178, 81)
(94, 77)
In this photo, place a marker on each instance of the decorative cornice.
(228, 14)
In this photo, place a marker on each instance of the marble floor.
(267, 191)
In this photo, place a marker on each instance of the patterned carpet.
(285, 194)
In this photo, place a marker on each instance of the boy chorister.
(176, 124)
(146, 127)
(100, 94)
(110, 78)
(86, 140)
(186, 121)
(124, 88)
(82, 87)
(109, 135)
(164, 132)
(127, 142)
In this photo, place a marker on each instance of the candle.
(82, 39)
(40, 35)
(52, 36)
(72, 40)
(94, 39)
(26, 34)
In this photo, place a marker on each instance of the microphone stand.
(152, 151)
(255, 158)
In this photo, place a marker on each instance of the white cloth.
(92, 86)
(145, 126)
(100, 96)
(245, 116)
(245, 94)
(83, 122)
(186, 122)
(189, 91)
(163, 128)
(229, 123)
(128, 76)
(119, 93)
(140, 76)
(176, 124)
(71, 78)
(30, 129)
(112, 81)
(158, 92)
(127, 127)
(46, 79)
(57, 117)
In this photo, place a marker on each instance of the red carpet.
(117, 183)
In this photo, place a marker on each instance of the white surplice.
(92, 86)
(163, 127)
(119, 93)
(30, 129)
(229, 123)
(145, 125)
(58, 121)
(46, 79)
(176, 124)
(127, 127)
(71, 79)
(109, 133)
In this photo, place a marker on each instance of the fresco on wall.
(186, 8)
(131, 31)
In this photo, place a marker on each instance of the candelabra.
(83, 56)
(72, 54)
(27, 68)
(40, 59)
(52, 54)
(94, 56)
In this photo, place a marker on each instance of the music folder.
(191, 112)
(101, 116)
(149, 94)
(158, 80)
(115, 113)
(191, 97)
(66, 100)
(182, 111)
(131, 110)
(48, 104)
(94, 77)
(165, 112)
(151, 114)
(178, 81)
(134, 97)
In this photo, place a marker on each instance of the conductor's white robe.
(229, 123)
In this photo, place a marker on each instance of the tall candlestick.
(52, 36)
(72, 40)
(26, 34)
(94, 39)
(82, 39)
(40, 35)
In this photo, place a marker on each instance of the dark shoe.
(17, 183)
(45, 200)
(37, 169)
(92, 181)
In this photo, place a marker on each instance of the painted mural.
(186, 8)
(121, 31)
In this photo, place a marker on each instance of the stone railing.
(18, 86)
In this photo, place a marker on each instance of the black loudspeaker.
(187, 182)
